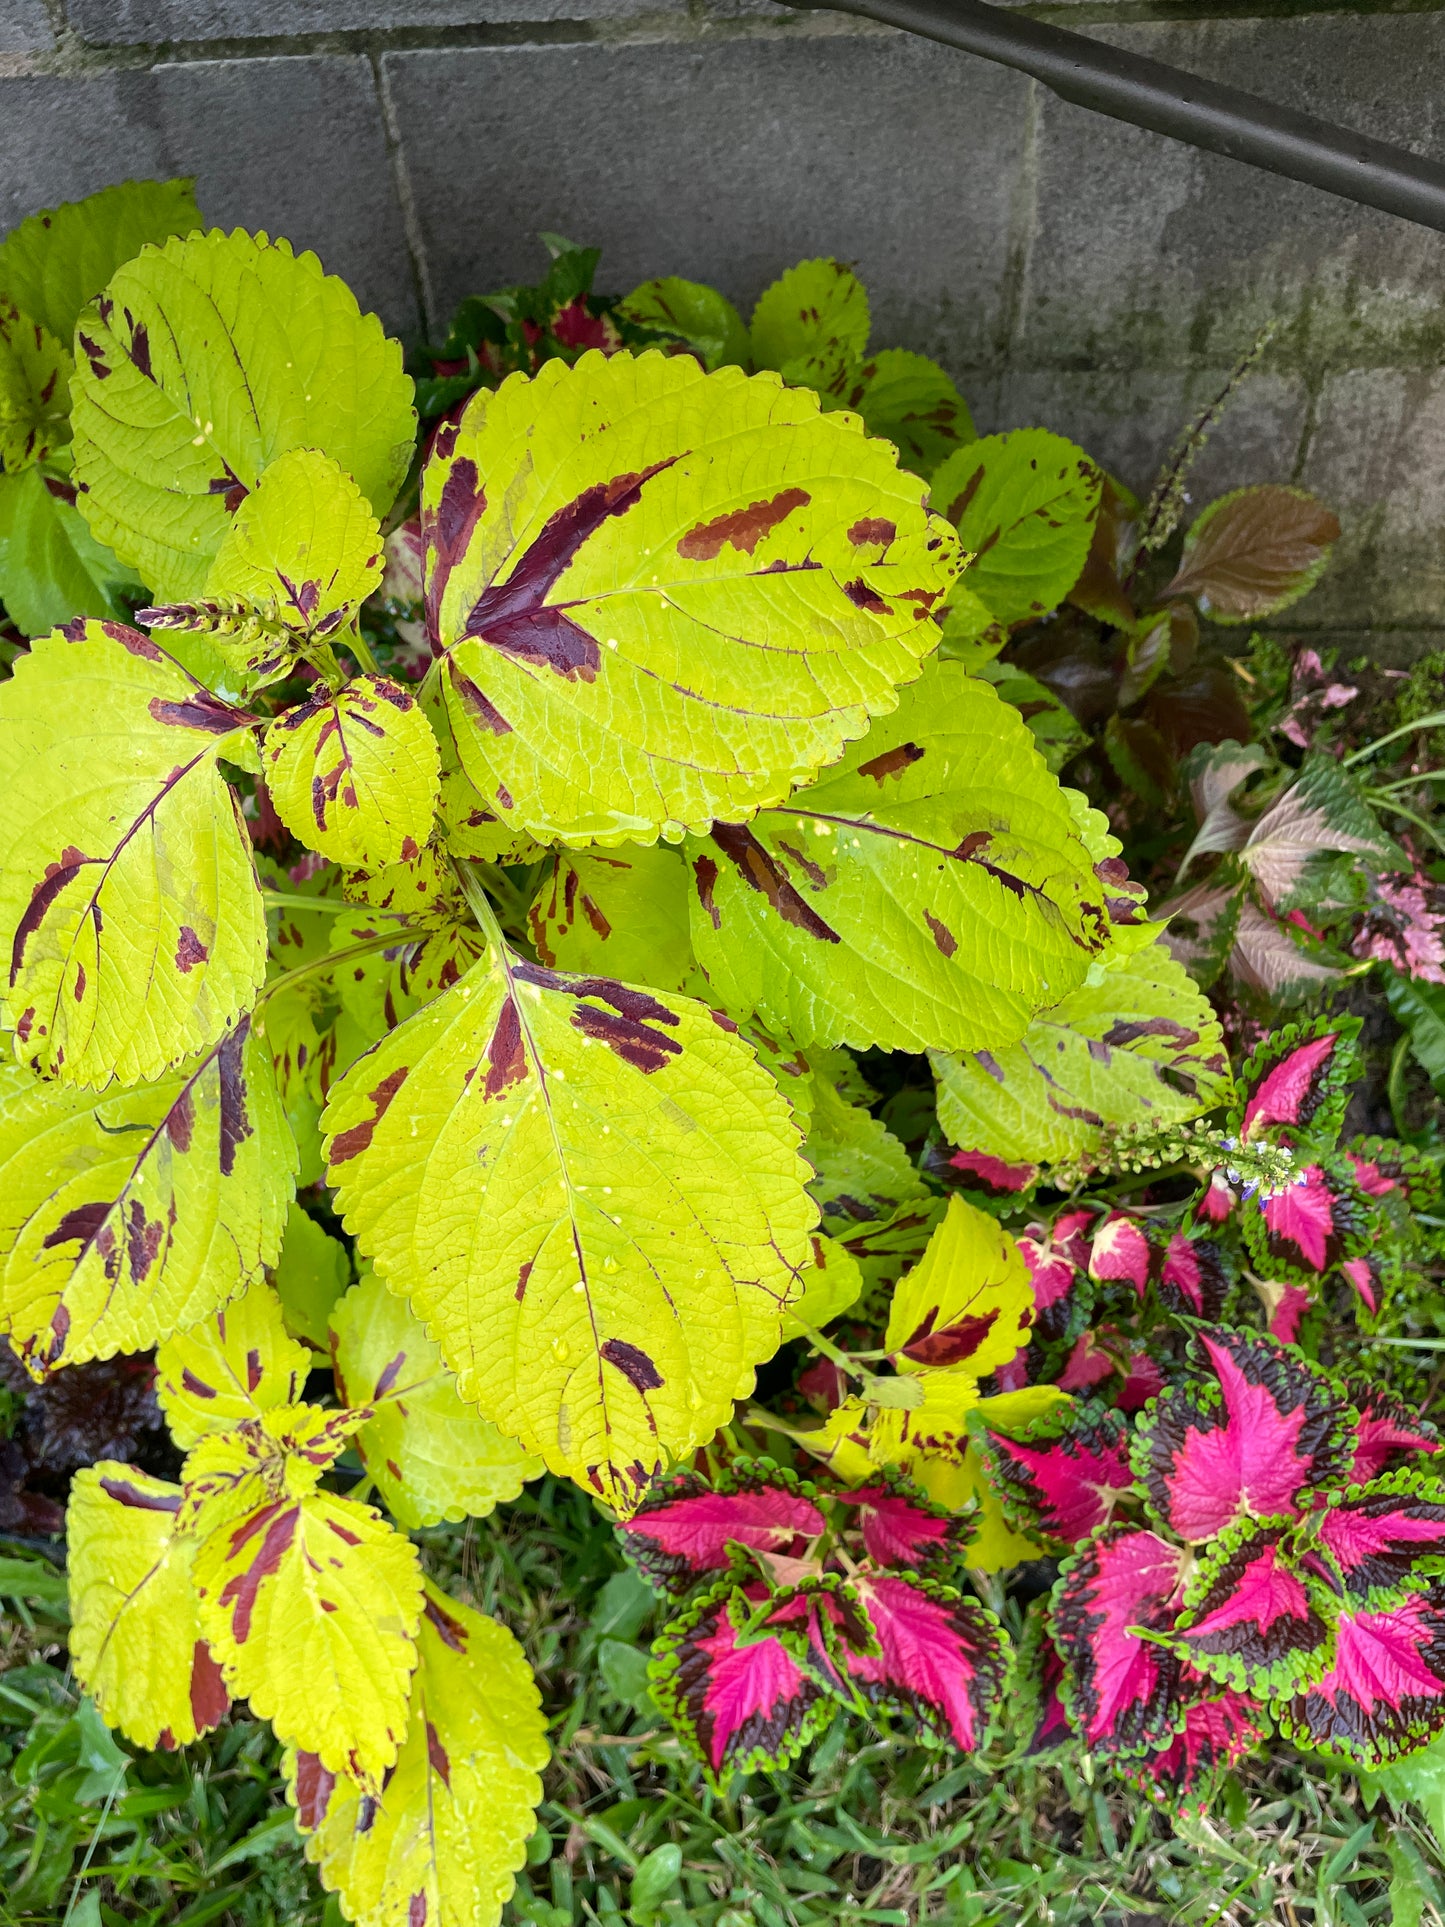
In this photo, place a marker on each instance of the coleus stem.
(318, 965)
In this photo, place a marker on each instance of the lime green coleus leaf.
(135, 1636)
(1024, 506)
(621, 914)
(310, 1275)
(911, 402)
(690, 312)
(467, 822)
(354, 774)
(928, 890)
(302, 553)
(831, 1284)
(861, 1171)
(311, 1604)
(378, 990)
(56, 262)
(441, 1843)
(231, 1366)
(126, 1216)
(432, 1456)
(34, 390)
(1052, 724)
(277, 1454)
(127, 892)
(592, 1195)
(816, 311)
(52, 569)
(201, 363)
(663, 596)
(1136, 1045)
(967, 1305)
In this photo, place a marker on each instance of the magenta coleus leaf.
(1311, 1226)
(1384, 1168)
(739, 1707)
(1387, 1431)
(1123, 1692)
(1367, 1277)
(1055, 1272)
(901, 1527)
(1217, 1734)
(1193, 1276)
(1217, 1200)
(941, 1657)
(1120, 1252)
(1296, 1084)
(978, 1171)
(1288, 1313)
(1063, 1476)
(684, 1528)
(1383, 1540)
(1252, 1619)
(1243, 1443)
(1384, 1696)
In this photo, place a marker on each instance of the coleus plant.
(549, 977)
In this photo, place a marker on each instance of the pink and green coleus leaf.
(1385, 1168)
(1216, 1734)
(740, 1707)
(1253, 1618)
(1387, 1431)
(1123, 1688)
(901, 1527)
(1243, 1443)
(1384, 1696)
(1192, 1276)
(1295, 1086)
(1311, 1226)
(686, 1528)
(1381, 1540)
(1063, 1476)
(941, 1657)
(1057, 1259)
(1039, 1673)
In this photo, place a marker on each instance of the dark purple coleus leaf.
(1309, 1227)
(1252, 1618)
(902, 1528)
(1192, 1276)
(1122, 1691)
(739, 1707)
(1384, 1696)
(1387, 1431)
(1244, 1443)
(940, 1656)
(1382, 1540)
(685, 1527)
(1217, 1733)
(1062, 1476)
(1296, 1084)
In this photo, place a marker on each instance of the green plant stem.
(1396, 1085)
(318, 965)
(359, 647)
(293, 900)
(480, 904)
(1389, 803)
(1435, 720)
(843, 1360)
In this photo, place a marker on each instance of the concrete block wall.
(1067, 270)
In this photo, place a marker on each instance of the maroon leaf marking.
(742, 529)
(437, 1755)
(390, 1373)
(143, 1238)
(634, 1364)
(522, 1276)
(872, 528)
(761, 872)
(190, 951)
(450, 1631)
(448, 528)
(181, 1121)
(862, 597)
(57, 875)
(241, 1589)
(201, 711)
(314, 1786)
(892, 762)
(942, 935)
(628, 1033)
(124, 1493)
(235, 1120)
(81, 1224)
(514, 616)
(506, 1054)
(209, 1698)
(952, 1344)
(197, 1387)
(350, 1143)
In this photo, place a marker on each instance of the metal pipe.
(1166, 100)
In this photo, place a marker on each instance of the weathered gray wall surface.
(1068, 271)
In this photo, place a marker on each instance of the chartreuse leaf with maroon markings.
(439, 1845)
(592, 1195)
(1243, 1439)
(1139, 1045)
(302, 553)
(310, 1602)
(201, 363)
(128, 899)
(1384, 1695)
(126, 1216)
(34, 390)
(620, 913)
(929, 890)
(661, 596)
(1024, 507)
(862, 1173)
(314, 1269)
(741, 1705)
(832, 1283)
(231, 1366)
(816, 312)
(967, 1305)
(432, 1456)
(353, 773)
(1061, 1475)
(1256, 1617)
(135, 1639)
(690, 312)
(51, 566)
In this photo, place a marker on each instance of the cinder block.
(1148, 252)
(294, 146)
(726, 162)
(150, 22)
(25, 27)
